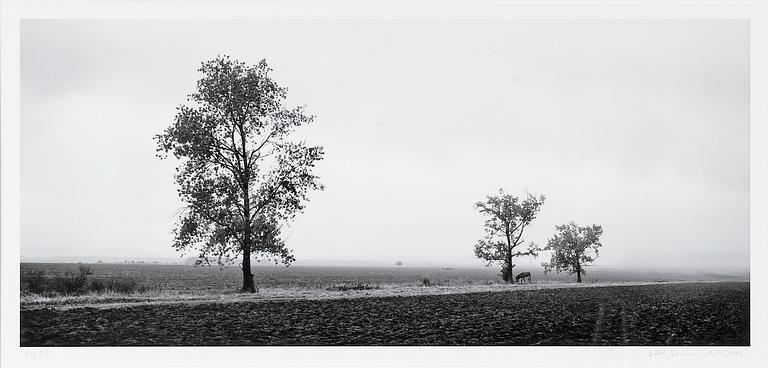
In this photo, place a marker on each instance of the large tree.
(506, 219)
(573, 248)
(239, 175)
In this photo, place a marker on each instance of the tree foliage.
(239, 174)
(573, 248)
(506, 220)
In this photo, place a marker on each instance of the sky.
(639, 126)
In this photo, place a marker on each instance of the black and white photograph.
(369, 183)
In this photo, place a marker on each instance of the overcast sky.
(639, 126)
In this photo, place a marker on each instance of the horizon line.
(357, 263)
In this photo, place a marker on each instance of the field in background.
(212, 280)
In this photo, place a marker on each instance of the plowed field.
(669, 314)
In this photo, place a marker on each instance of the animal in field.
(522, 276)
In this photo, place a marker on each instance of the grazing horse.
(523, 276)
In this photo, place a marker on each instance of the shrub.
(124, 285)
(75, 283)
(78, 283)
(84, 270)
(345, 287)
(70, 284)
(35, 281)
(425, 281)
(97, 286)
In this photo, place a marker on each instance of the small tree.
(240, 175)
(507, 218)
(398, 263)
(574, 247)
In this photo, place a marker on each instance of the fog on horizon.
(639, 126)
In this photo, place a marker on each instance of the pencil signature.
(709, 353)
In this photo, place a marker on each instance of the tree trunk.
(506, 270)
(248, 286)
(578, 272)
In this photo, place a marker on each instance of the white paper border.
(12, 355)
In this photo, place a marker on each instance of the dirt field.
(669, 314)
